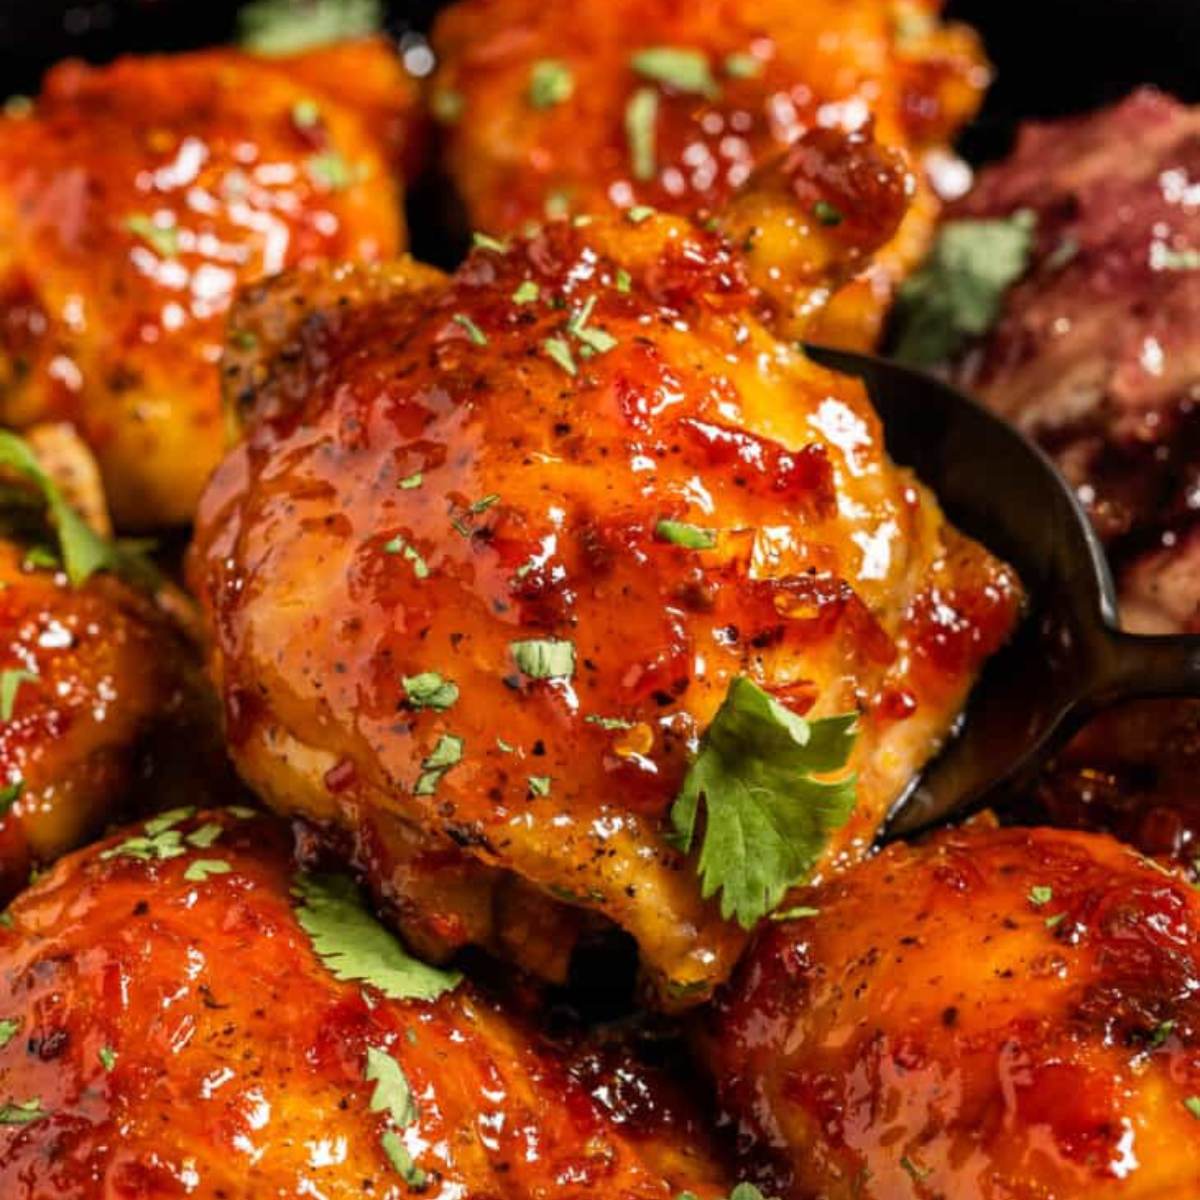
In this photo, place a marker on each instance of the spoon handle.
(1132, 666)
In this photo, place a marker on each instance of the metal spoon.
(1069, 659)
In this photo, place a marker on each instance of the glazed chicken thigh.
(995, 1015)
(135, 198)
(184, 1014)
(495, 549)
(556, 106)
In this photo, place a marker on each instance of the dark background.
(1053, 56)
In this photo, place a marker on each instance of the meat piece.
(994, 1015)
(135, 198)
(570, 495)
(169, 1030)
(556, 107)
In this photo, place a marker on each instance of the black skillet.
(1068, 660)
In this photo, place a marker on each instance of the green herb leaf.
(10, 683)
(641, 121)
(595, 340)
(279, 27)
(1040, 894)
(446, 754)
(609, 723)
(162, 239)
(204, 837)
(409, 482)
(402, 1162)
(330, 171)
(429, 690)
(306, 114)
(8, 1030)
(742, 66)
(1192, 1104)
(201, 869)
(1055, 921)
(795, 914)
(544, 658)
(10, 793)
(550, 83)
(476, 335)
(638, 213)
(959, 292)
(623, 281)
(409, 553)
(22, 1112)
(83, 552)
(683, 69)
(526, 293)
(169, 819)
(356, 948)
(558, 351)
(107, 1056)
(484, 241)
(768, 819)
(161, 846)
(827, 214)
(392, 1093)
(539, 785)
(1162, 1031)
(691, 537)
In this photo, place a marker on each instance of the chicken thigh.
(995, 1015)
(551, 107)
(496, 549)
(135, 198)
(184, 1014)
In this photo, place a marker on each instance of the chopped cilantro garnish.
(306, 114)
(10, 683)
(476, 335)
(691, 537)
(167, 820)
(539, 785)
(609, 723)
(484, 241)
(623, 281)
(446, 754)
(10, 793)
(168, 844)
(544, 658)
(742, 66)
(107, 1056)
(241, 812)
(409, 482)
(1040, 894)
(1162, 1031)
(917, 1172)
(550, 83)
(429, 690)
(558, 351)
(447, 106)
(392, 1093)
(1055, 921)
(557, 205)
(409, 553)
(768, 819)
(356, 948)
(595, 340)
(641, 120)
(639, 213)
(8, 1030)
(83, 551)
(398, 1155)
(330, 171)
(162, 239)
(795, 914)
(527, 293)
(201, 868)
(959, 291)
(23, 1112)
(279, 27)
(204, 837)
(683, 69)
(827, 214)
(1192, 1104)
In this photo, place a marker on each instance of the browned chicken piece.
(553, 107)
(496, 548)
(136, 197)
(101, 686)
(995, 1015)
(168, 1029)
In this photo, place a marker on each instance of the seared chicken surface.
(495, 548)
(553, 107)
(169, 1030)
(135, 198)
(995, 1015)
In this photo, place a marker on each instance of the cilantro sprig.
(767, 819)
(278, 27)
(355, 947)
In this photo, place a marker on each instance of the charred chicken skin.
(135, 198)
(170, 1030)
(551, 107)
(495, 548)
(995, 1015)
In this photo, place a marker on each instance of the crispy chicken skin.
(182, 1038)
(135, 198)
(436, 469)
(995, 1015)
(778, 68)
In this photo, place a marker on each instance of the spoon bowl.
(1069, 659)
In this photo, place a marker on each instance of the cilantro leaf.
(107, 1056)
(679, 67)
(398, 1155)
(84, 552)
(641, 132)
(446, 754)
(8, 1030)
(691, 537)
(356, 948)
(10, 793)
(25, 1112)
(430, 690)
(550, 83)
(767, 819)
(392, 1093)
(278, 27)
(201, 869)
(10, 683)
(162, 239)
(959, 291)
(161, 846)
(544, 658)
